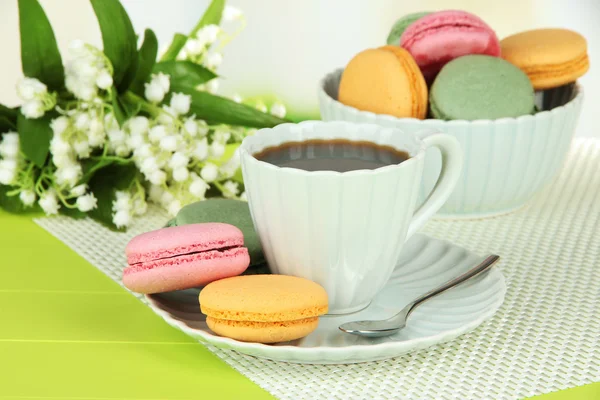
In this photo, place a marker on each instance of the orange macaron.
(263, 308)
(386, 80)
(549, 57)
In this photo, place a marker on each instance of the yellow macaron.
(263, 308)
(549, 57)
(386, 80)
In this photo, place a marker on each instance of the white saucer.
(424, 264)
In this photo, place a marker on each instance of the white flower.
(155, 193)
(32, 109)
(122, 201)
(278, 110)
(63, 160)
(157, 133)
(202, 128)
(213, 60)
(139, 206)
(104, 80)
(49, 202)
(208, 34)
(181, 174)
(135, 141)
(230, 189)
(59, 147)
(166, 198)
(82, 121)
(30, 88)
(221, 135)
(154, 92)
(138, 125)
(209, 172)
(95, 127)
(110, 122)
(231, 166)
(68, 175)
(169, 143)
(27, 197)
(237, 98)
(116, 136)
(96, 138)
(191, 127)
(231, 13)
(59, 125)
(121, 219)
(217, 149)
(9, 146)
(78, 190)
(212, 86)
(183, 55)
(149, 165)
(174, 207)
(180, 103)
(243, 197)
(261, 107)
(201, 150)
(143, 152)
(163, 80)
(178, 159)
(86, 202)
(8, 171)
(82, 148)
(198, 187)
(158, 177)
(77, 47)
(194, 47)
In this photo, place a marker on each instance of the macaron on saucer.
(424, 264)
(183, 257)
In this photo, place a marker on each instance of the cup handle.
(452, 161)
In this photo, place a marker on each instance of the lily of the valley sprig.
(107, 131)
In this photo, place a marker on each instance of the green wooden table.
(70, 332)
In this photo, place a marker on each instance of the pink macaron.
(184, 257)
(442, 36)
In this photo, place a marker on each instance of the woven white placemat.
(546, 336)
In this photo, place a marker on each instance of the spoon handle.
(481, 267)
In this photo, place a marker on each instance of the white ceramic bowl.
(506, 161)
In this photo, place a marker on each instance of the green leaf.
(92, 165)
(212, 16)
(121, 109)
(39, 53)
(118, 38)
(34, 137)
(175, 47)
(146, 61)
(225, 111)
(104, 185)
(6, 125)
(71, 212)
(185, 73)
(9, 113)
(13, 204)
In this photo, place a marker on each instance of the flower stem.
(150, 108)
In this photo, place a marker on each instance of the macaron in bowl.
(184, 257)
(507, 159)
(437, 38)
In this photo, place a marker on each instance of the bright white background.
(288, 45)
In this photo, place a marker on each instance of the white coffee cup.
(343, 230)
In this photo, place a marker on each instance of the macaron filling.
(177, 259)
(136, 258)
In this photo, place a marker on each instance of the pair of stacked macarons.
(212, 244)
(450, 65)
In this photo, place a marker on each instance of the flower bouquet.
(110, 130)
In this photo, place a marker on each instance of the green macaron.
(400, 26)
(228, 211)
(480, 87)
